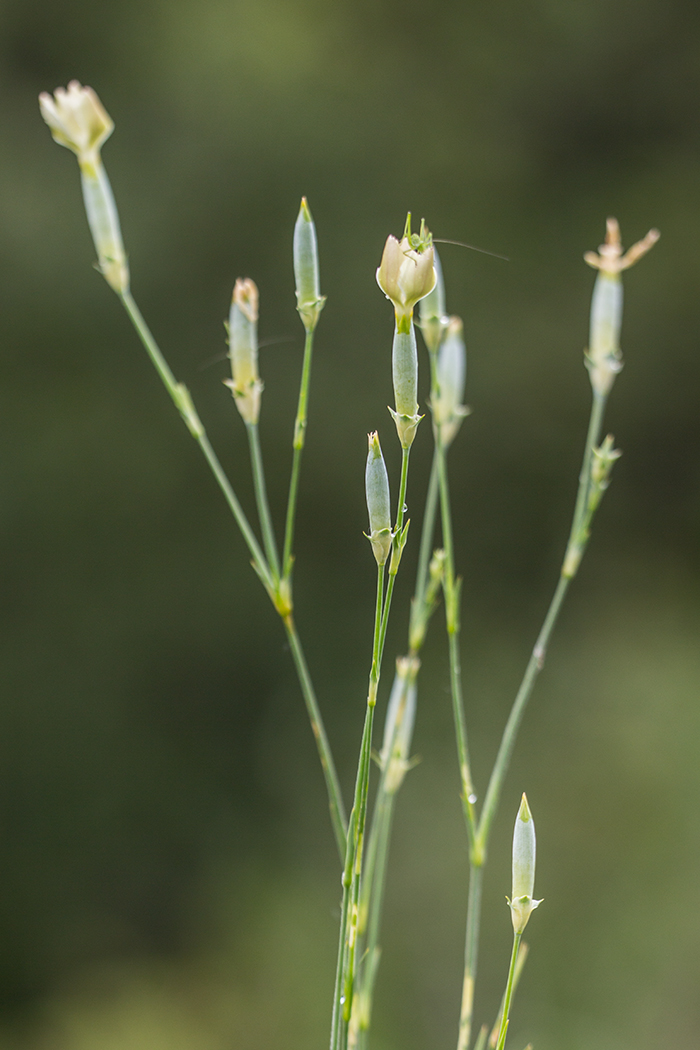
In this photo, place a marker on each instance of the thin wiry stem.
(298, 447)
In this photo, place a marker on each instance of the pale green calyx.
(245, 384)
(398, 727)
(378, 501)
(404, 371)
(604, 357)
(406, 273)
(432, 312)
(310, 302)
(451, 373)
(521, 902)
(78, 120)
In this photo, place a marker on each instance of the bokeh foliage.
(169, 876)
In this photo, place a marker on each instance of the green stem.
(509, 991)
(471, 952)
(396, 552)
(595, 424)
(268, 533)
(335, 799)
(297, 445)
(347, 943)
(452, 595)
(176, 392)
(184, 405)
(427, 532)
(535, 665)
(537, 659)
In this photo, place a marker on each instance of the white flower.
(406, 274)
(77, 118)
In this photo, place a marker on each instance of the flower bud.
(378, 501)
(448, 410)
(603, 357)
(433, 319)
(245, 383)
(398, 727)
(309, 299)
(406, 273)
(524, 848)
(78, 121)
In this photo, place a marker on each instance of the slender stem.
(298, 445)
(595, 423)
(509, 991)
(376, 880)
(268, 533)
(396, 553)
(517, 973)
(175, 391)
(535, 665)
(471, 952)
(184, 405)
(452, 594)
(347, 942)
(337, 1024)
(335, 799)
(537, 659)
(427, 532)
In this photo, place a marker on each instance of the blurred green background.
(169, 878)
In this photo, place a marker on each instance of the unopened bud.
(378, 500)
(522, 903)
(245, 383)
(309, 299)
(448, 410)
(78, 120)
(431, 309)
(398, 727)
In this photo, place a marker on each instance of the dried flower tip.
(522, 903)
(77, 118)
(310, 302)
(245, 383)
(610, 259)
(378, 501)
(406, 273)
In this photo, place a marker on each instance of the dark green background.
(168, 876)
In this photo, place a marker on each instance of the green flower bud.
(433, 319)
(604, 357)
(309, 299)
(245, 383)
(79, 122)
(378, 501)
(448, 410)
(524, 849)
